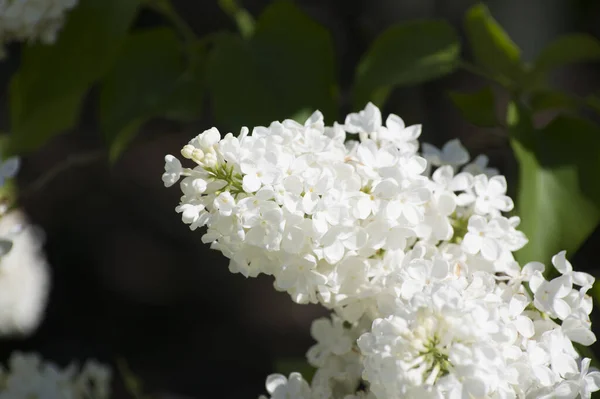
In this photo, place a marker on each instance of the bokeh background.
(130, 280)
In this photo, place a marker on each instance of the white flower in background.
(24, 276)
(94, 381)
(32, 20)
(452, 153)
(480, 166)
(412, 254)
(28, 376)
(294, 387)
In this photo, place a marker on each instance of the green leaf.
(478, 108)
(593, 101)
(492, 48)
(407, 54)
(558, 199)
(149, 79)
(243, 19)
(285, 67)
(186, 99)
(552, 99)
(47, 91)
(125, 136)
(568, 49)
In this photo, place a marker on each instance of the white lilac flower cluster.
(28, 376)
(24, 271)
(32, 20)
(412, 253)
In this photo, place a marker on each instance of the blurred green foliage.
(404, 55)
(47, 92)
(285, 66)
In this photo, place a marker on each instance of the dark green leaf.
(186, 100)
(149, 79)
(567, 49)
(593, 101)
(478, 108)
(145, 71)
(558, 198)
(125, 136)
(406, 54)
(492, 47)
(47, 91)
(552, 99)
(242, 18)
(287, 66)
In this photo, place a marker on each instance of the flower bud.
(187, 151)
(197, 155)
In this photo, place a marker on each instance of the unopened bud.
(197, 155)
(210, 159)
(187, 151)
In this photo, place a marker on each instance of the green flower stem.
(244, 21)
(225, 173)
(165, 8)
(460, 227)
(76, 160)
(474, 69)
(436, 357)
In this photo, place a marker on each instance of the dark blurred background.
(130, 280)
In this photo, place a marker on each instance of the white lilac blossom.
(24, 272)
(24, 276)
(413, 254)
(28, 376)
(32, 20)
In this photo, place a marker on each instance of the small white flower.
(331, 339)
(565, 268)
(225, 203)
(173, 170)
(294, 387)
(583, 383)
(481, 237)
(446, 180)
(395, 131)
(549, 295)
(366, 121)
(479, 166)
(491, 195)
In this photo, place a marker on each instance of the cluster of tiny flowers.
(28, 376)
(32, 20)
(411, 251)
